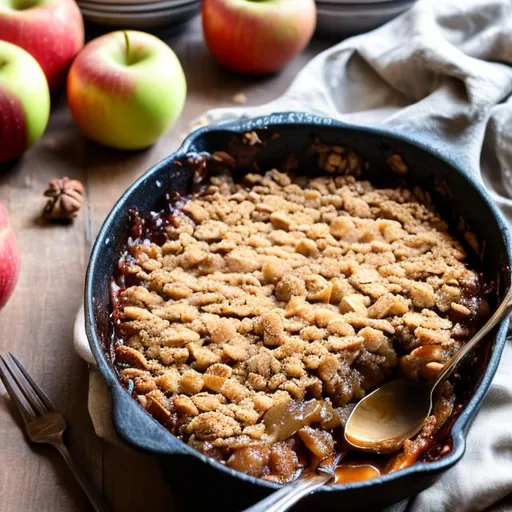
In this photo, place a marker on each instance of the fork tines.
(30, 399)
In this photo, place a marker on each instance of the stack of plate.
(342, 18)
(141, 14)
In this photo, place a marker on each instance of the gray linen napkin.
(443, 68)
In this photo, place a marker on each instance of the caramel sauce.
(346, 473)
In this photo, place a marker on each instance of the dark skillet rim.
(461, 425)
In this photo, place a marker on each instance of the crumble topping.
(283, 290)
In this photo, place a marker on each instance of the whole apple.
(125, 89)
(257, 36)
(9, 258)
(24, 101)
(52, 31)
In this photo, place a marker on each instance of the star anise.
(65, 199)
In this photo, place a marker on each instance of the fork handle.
(96, 499)
(290, 494)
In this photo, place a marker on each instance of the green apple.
(125, 89)
(24, 101)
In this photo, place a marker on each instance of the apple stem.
(127, 42)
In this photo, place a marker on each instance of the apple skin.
(126, 97)
(9, 258)
(52, 31)
(257, 37)
(24, 101)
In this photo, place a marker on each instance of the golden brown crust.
(272, 291)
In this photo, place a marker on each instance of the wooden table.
(37, 323)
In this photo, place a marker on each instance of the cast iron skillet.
(206, 482)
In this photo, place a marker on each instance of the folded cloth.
(444, 69)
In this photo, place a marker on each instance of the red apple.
(52, 31)
(257, 36)
(9, 258)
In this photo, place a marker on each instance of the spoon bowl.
(388, 416)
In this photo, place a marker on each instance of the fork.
(305, 484)
(43, 424)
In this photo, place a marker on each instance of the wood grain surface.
(37, 323)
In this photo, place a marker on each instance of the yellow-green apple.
(52, 31)
(24, 101)
(257, 36)
(9, 258)
(125, 89)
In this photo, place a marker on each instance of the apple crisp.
(284, 296)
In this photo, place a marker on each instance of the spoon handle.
(503, 309)
(291, 493)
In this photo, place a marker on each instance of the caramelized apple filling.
(252, 320)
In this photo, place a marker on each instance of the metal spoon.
(396, 411)
(291, 493)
